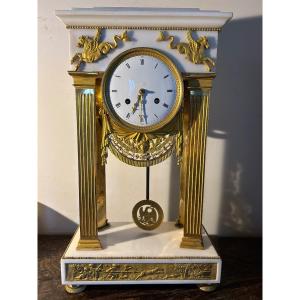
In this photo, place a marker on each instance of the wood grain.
(241, 275)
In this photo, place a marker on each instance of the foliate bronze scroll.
(194, 49)
(140, 271)
(94, 49)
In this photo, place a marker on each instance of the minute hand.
(136, 104)
(143, 104)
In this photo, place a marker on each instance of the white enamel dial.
(142, 90)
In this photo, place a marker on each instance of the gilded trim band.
(141, 257)
(144, 28)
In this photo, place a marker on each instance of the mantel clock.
(143, 78)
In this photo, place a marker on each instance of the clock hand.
(141, 108)
(140, 103)
(139, 100)
(144, 101)
(135, 105)
(144, 108)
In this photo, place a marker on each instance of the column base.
(192, 242)
(89, 245)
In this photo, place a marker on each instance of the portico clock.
(142, 90)
(143, 80)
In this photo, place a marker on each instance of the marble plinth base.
(133, 256)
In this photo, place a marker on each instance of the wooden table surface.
(241, 275)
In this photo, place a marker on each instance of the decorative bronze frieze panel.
(139, 271)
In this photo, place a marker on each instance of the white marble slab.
(126, 240)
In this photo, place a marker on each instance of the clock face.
(143, 89)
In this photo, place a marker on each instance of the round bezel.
(106, 91)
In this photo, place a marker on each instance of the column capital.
(85, 79)
(198, 81)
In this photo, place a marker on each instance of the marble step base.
(133, 256)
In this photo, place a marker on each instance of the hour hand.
(139, 100)
(135, 107)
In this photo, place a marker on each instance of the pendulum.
(147, 214)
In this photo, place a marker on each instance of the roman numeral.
(169, 91)
(165, 105)
(156, 116)
(166, 76)
(142, 61)
(118, 105)
(117, 76)
(141, 118)
(128, 116)
(114, 91)
(155, 66)
(128, 66)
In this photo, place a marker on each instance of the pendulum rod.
(147, 214)
(147, 182)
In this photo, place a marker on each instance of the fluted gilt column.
(85, 85)
(192, 173)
